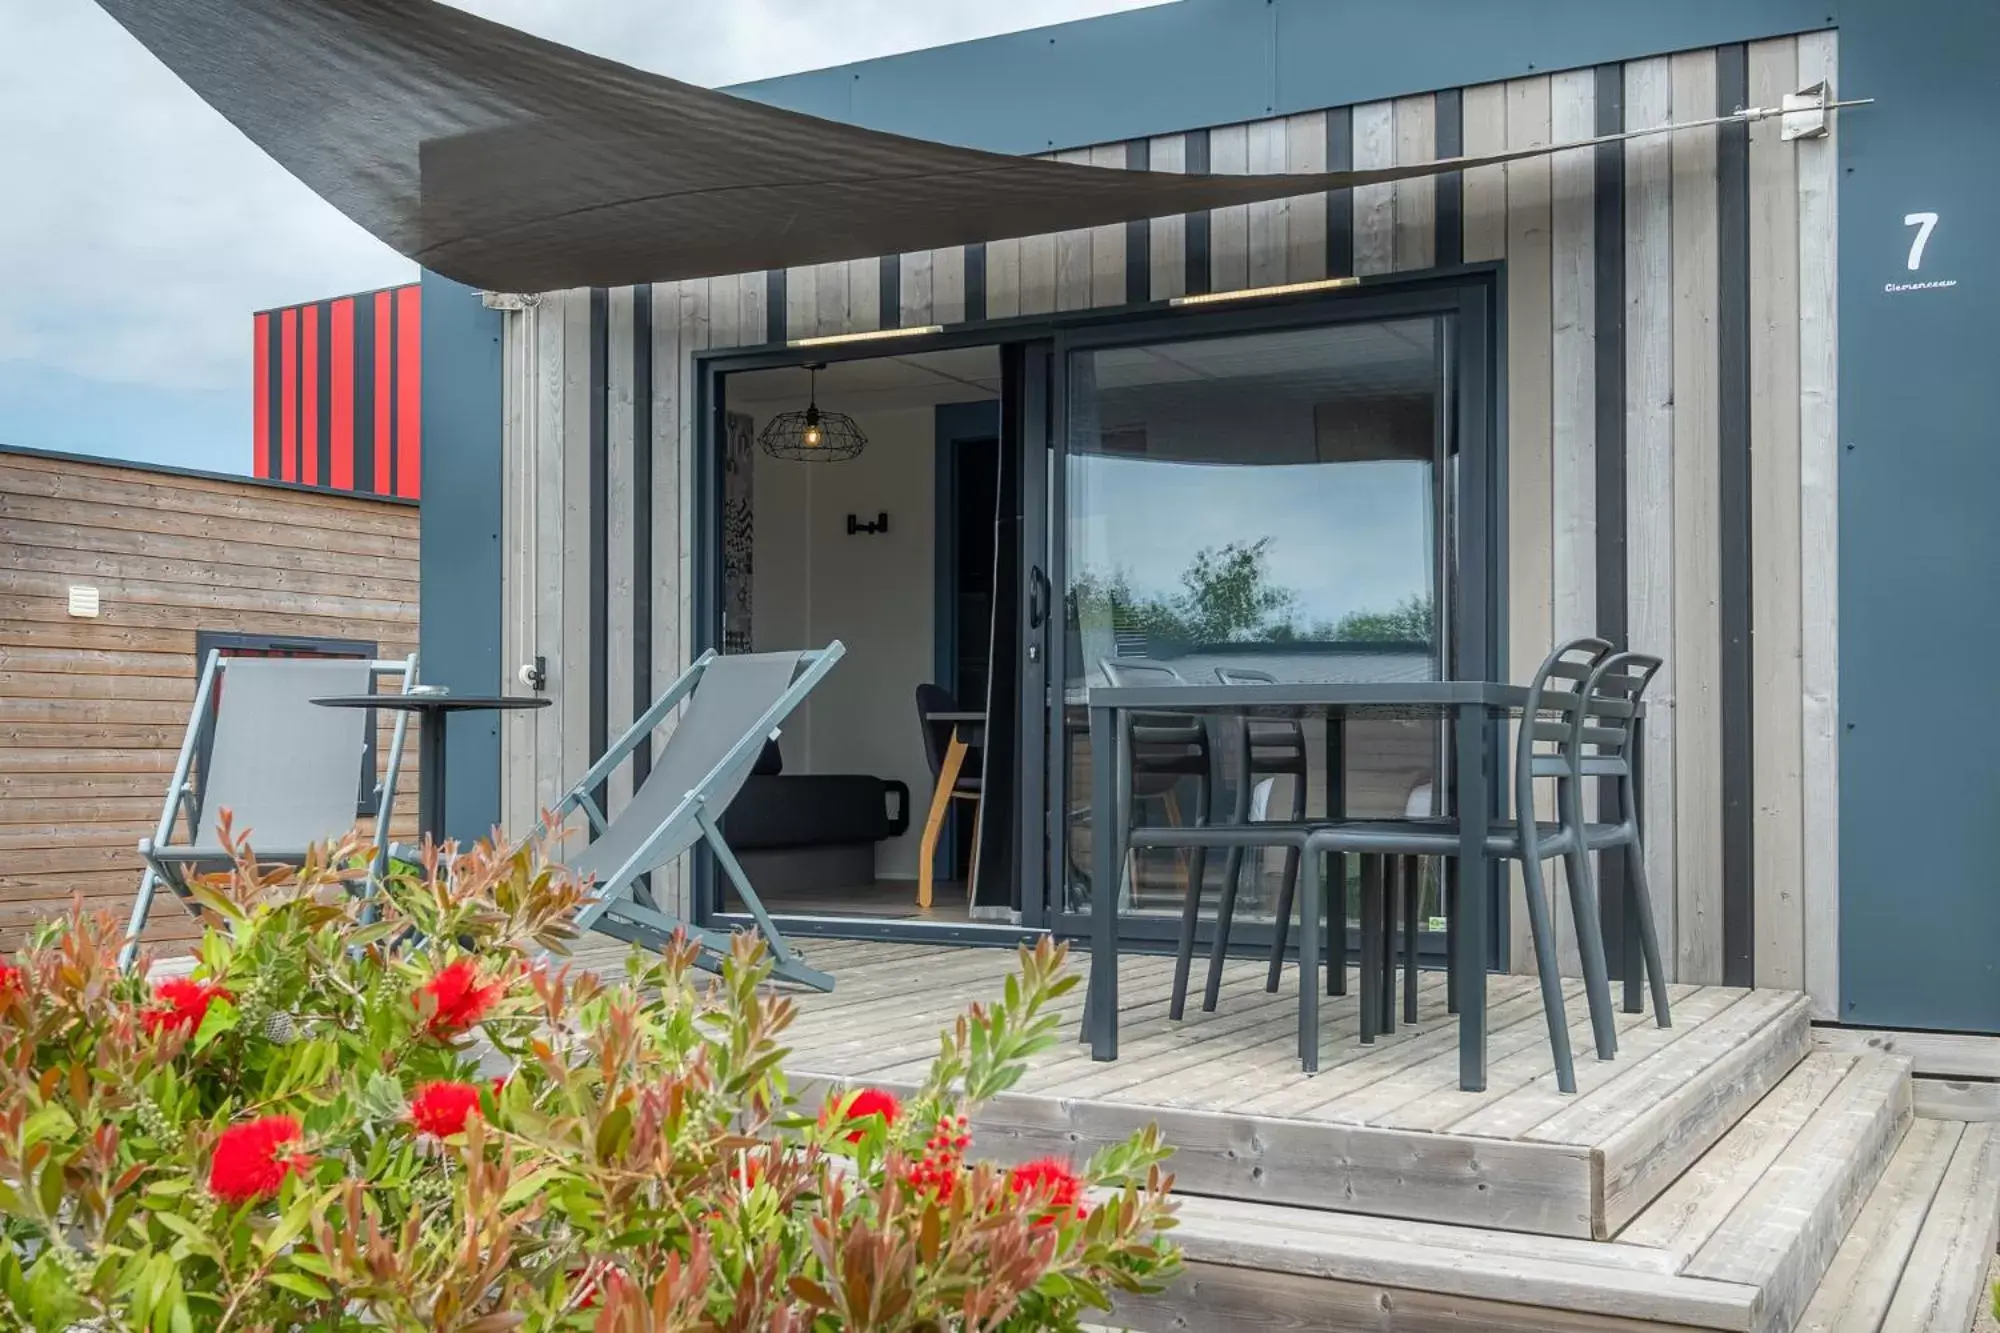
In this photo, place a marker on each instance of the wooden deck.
(1725, 1174)
(1381, 1129)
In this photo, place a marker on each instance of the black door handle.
(1038, 597)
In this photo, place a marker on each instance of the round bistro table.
(432, 707)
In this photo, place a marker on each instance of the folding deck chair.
(289, 772)
(732, 705)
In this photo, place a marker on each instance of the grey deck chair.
(732, 705)
(287, 770)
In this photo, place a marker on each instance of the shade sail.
(516, 164)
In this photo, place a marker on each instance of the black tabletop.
(1415, 696)
(433, 703)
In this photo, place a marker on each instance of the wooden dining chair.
(955, 773)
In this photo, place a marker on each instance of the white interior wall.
(812, 582)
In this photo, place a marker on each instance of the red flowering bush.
(251, 1160)
(440, 1109)
(404, 1118)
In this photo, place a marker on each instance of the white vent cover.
(83, 601)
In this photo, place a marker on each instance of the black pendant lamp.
(813, 435)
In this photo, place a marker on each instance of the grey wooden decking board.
(1522, 1109)
(1503, 1011)
(888, 1037)
(1256, 1067)
(1682, 1218)
(1783, 1235)
(1218, 1298)
(1458, 1261)
(1443, 1102)
(1432, 1062)
(1158, 1048)
(1645, 1155)
(1944, 1282)
(1859, 1285)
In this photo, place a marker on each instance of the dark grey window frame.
(1472, 293)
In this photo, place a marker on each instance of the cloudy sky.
(139, 230)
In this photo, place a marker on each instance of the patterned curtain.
(738, 530)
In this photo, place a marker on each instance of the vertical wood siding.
(1613, 312)
(93, 711)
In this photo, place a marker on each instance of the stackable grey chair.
(288, 772)
(1611, 699)
(732, 705)
(1558, 688)
(1164, 749)
(1265, 748)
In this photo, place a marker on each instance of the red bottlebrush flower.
(865, 1103)
(937, 1172)
(747, 1171)
(461, 1000)
(250, 1160)
(10, 979)
(441, 1109)
(1050, 1183)
(180, 1003)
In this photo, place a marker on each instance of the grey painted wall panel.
(1216, 62)
(1919, 542)
(459, 554)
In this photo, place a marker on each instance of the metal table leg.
(430, 775)
(1473, 800)
(1108, 836)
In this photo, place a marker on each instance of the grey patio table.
(1474, 708)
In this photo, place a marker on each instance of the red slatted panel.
(309, 406)
(341, 388)
(383, 314)
(288, 405)
(409, 389)
(260, 458)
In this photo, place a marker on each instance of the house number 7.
(1925, 223)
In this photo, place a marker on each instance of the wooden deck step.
(1916, 1259)
(1738, 1243)
(1782, 1234)
(1259, 1266)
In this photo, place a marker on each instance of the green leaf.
(312, 1263)
(528, 1186)
(48, 1121)
(300, 1284)
(51, 1190)
(221, 1017)
(290, 1227)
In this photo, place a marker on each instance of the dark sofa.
(802, 832)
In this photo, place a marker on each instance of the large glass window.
(1266, 505)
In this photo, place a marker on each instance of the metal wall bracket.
(1805, 113)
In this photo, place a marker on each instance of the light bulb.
(812, 437)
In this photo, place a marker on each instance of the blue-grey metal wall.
(459, 555)
(1919, 539)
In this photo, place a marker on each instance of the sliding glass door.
(1251, 503)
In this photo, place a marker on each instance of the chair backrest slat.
(1557, 688)
(1611, 698)
(287, 770)
(1155, 730)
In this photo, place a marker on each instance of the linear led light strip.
(1252, 293)
(872, 335)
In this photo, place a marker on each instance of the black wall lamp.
(855, 527)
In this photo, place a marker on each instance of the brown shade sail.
(515, 164)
